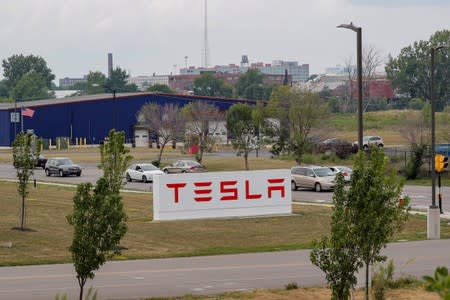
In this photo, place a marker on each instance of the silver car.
(313, 177)
(184, 166)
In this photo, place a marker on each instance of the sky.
(154, 36)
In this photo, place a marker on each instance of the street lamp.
(433, 226)
(359, 67)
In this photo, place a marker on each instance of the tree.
(251, 77)
(118, 82)
(410, 70)
(95, 83)
(202, 120)
(166, 122)
(298, 111)
(208, 85)
(99, 223)
(24, 158)
(160, 88)
(114, 160)
(374, 209)
(16, 66)
(337, 255)
(30, 86)
(440, 283)
(241, 127)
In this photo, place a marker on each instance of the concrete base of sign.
(433, 223)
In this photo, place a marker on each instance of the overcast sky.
(151, 36)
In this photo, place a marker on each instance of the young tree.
(99, 223)
(166, 122)
(337, 255)
(24, 161)
(374, 209)
(299, 111)
(160, 88)
(241, 127)
(96, 83)
(202, 120)
(114, 160)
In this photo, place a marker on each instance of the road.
(204, 275)
(420, 195)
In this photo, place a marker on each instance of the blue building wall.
(93, 119)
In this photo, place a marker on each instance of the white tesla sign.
(221, 194)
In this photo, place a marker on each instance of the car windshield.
(193, 163)
(323, 172)
(65, 161)
(148, 167)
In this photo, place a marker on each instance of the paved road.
(420, 195)
(204, 275)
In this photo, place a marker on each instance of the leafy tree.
(249, 78)
(241, 126)
(166, 122)
(99, 223)
(30, 86)
(440, 283)
(208, 85)
(117, 81)
(95, 83)
(337, 255)
(160, 88)
(374, 210)
(4, 91)
(80, 86)
(410, 70)
(202, 120)
(416, 104)
(24, 159)
(16, 66)
(258, 91)
(298, 112)
(114, 160)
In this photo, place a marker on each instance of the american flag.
(27, 112)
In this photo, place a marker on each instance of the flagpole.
(21, 119)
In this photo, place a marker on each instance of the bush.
(156, 163)
(291, 286)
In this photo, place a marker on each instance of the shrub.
(291, 286)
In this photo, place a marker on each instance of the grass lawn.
(50, 235)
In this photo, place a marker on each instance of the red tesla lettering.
(224, 189)
(203, 191)
(249, 196)
(176, 187)
(270, 189)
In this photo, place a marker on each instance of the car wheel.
(366, 147)
(128, 177)
(47, 172)
(317, 187)
(184, 171)
(293, 186)
(166, 171)
(144, 179)
(61, 173)
(79, 174)
(380, 146)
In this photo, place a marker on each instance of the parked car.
(346, 171)
(368, 141)
(142, 172)
(39, 161)
(314, 177)
(331, 144)
(184, 166)
(62, 166)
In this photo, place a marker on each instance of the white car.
(142, 172)
(370, 140)
(346, 172)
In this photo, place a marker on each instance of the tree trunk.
(160, 152)
(22, 217)
(81, 282)
(246, 160)
(367, 281)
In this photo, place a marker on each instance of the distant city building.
(143, 82)
(340, 70)
(69, 82)
(185, 82)
(298, 73)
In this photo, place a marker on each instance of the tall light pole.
(433, 225)
(358, 31)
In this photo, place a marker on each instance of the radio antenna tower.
(205, 55)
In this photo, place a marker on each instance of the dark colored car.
(62, 166)
(40, 161)
(332, 145)
(184, 166)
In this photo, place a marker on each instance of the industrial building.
(88, 117)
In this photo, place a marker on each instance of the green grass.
(51, 236)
